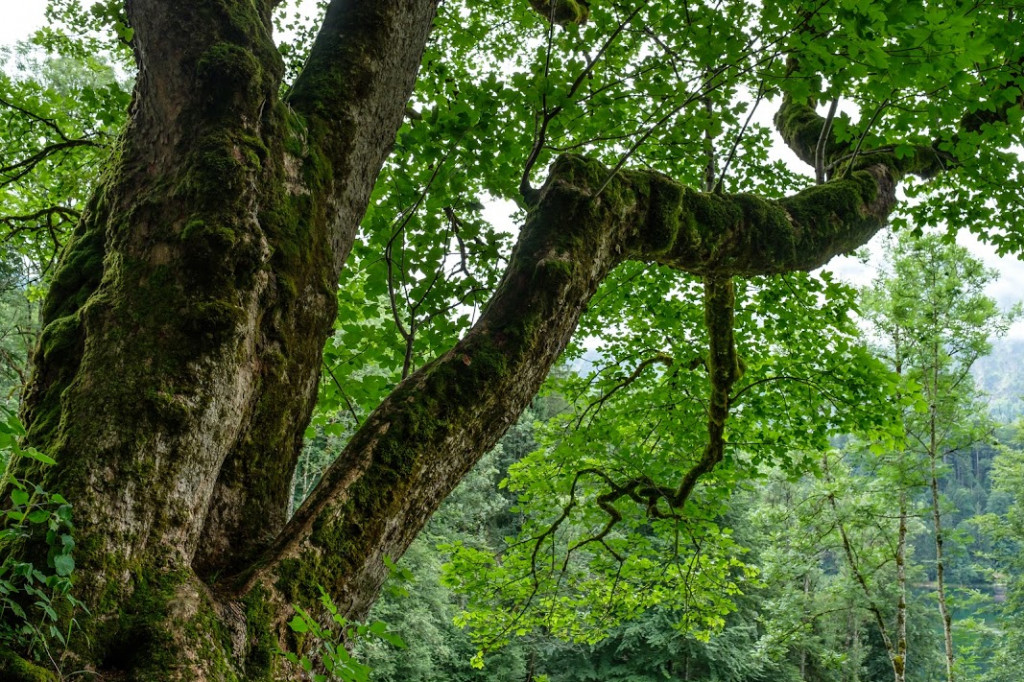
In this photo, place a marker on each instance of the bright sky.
(21, 17)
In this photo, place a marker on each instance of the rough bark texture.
(183, 331)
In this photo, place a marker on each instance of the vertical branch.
(819, 149)
(933, 455)
(895, 657)
(901, 581)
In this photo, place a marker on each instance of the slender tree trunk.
(901, 581)
(803, 650)
(896, 650)
(940, 567)
(933, 455)
(855, 648)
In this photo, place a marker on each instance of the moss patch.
(14, 668)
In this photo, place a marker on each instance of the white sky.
(18, 18)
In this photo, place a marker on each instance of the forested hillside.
(998, 375)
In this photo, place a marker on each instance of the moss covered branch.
(809, 136)
(416, 446)
(352, 95)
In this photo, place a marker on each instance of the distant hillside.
(1001, 376)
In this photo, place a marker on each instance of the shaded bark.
(184, 328)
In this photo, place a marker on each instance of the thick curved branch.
(417, 445)
(809, 136)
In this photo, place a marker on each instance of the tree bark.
(183, 330)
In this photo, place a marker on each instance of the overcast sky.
(18, 18)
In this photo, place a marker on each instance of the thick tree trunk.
(183, 331)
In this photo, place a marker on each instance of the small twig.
(761, 91)
(863, 135)
(334, 378)
(661, 358)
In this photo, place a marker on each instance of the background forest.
(876, 527)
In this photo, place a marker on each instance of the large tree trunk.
(183, 331)
(184, 328)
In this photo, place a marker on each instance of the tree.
(934, 321)
(1006, 529)
(185, 324)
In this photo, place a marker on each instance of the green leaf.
(63, 564)
(298, 624)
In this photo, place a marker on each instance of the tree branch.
(412, 450)
(353, 92)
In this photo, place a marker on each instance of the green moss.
(214, 321)
(262, 646)
(227, 71)
(145, 639)
(663, 215)
(769, 231)
(554, 272)
(168, 408)
(820, 205)
(350, 529)
(60, 335)
(207, 245)
(78, 275)
(14, 668)
(316, 169)
(562, 12)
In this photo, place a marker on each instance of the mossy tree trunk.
(184, 328)
(181, 350)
